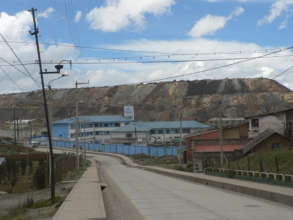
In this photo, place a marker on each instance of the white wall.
(276, 122)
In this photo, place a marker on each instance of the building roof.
(94, 118)
(280, 110)
(258, 139)
(147, 126)
(217, 148)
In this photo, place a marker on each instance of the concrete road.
(157, 197)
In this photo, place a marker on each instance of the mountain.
(198, 99)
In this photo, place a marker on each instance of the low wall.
(123, 149)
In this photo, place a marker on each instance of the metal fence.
(153, 151)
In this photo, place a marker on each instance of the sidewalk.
(85, 201)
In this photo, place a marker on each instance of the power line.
(283, 72)
(152, 62)
(218, 67)
(162, 53)
(19, 60)
(10, 78)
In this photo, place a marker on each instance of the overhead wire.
(19, 60)
(10, 78)
(152, 62)
(216, 68)
(282, 72)
(162, 53)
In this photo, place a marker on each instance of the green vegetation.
(45, 203)
(169, 162)
(278, 161)
(20, 212)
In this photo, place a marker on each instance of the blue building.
(92, 128)
(121, 130)
(155, 132)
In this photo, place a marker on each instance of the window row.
(170, 131)
(87, 134)
(96, 125)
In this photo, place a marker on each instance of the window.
(275, 146)
(153, 131)
(254, 123)
(129, 135)
(185, 130)
(160, 131)
(97, 133)
(167, 131)
(117, 125)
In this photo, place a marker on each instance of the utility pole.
(221, 141)
(58, 68)
(14, 125)
(77, 131)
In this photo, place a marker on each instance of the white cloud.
(266, 67)
(278, 8)
(77, 16)
(118, 14)
(210, 24)
(15, 29)
(46, 13)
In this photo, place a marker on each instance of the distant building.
(155, 132)
(279, 121)
(204, 148)
(92, 128)
(215, 122)
(121, 130)
(234, 138)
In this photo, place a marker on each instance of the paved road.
(157, 197)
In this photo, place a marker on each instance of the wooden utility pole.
(221, 141)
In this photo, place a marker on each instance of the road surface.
(153, 196)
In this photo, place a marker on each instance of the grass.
(46, 202)
(278, 161)
(169, 162)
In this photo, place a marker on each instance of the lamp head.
(58, 67)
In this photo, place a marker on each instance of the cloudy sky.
(113, 42)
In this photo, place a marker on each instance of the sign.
(129, 112)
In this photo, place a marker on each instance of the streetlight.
(51, 117)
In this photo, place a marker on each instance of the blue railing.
(123, 149)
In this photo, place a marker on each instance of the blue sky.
(147, 26)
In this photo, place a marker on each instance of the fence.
(123, 149)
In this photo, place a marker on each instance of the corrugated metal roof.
(147, 126)
(94, 118)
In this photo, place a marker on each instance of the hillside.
(199, 99)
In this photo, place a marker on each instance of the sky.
(113, 42)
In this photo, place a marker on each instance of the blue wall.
(61, 130)
(123, 149)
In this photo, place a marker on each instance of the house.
(155, 132)
(234, 138)
(280, 121)
(91, 128)
(204, 148)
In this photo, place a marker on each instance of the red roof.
(208, 135)
(217, 148)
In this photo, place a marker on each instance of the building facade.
(90, 128)
(280, 121)
(116, 129)
(155, 132)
